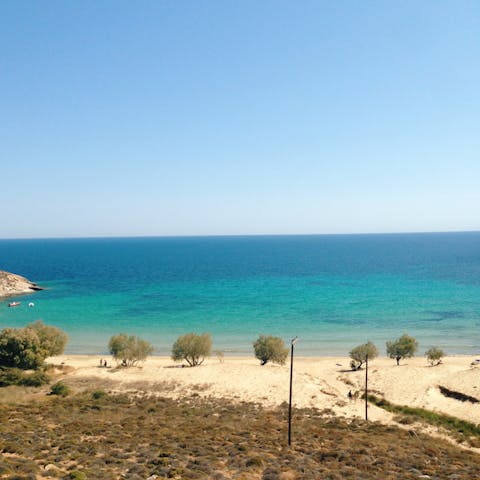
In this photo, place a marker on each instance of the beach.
(319, 382)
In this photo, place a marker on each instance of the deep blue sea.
(333, 291)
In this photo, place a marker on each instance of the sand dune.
(321, 382)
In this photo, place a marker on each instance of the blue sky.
(252, 117)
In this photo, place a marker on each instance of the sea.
(332, 291)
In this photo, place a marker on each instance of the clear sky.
(238, 117)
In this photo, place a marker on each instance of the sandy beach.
(320, 382)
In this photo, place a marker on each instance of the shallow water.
(333, 291)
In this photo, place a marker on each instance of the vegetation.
(270, 349)
(403, 347)
(121, 436)
(27, 348)
(434, 355)
(461, 429)
(192, 348)
(359, 354)
(129, 349)
(60, 388)
(16, 376)
(220, 354)
(52, 339)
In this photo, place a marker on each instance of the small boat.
(14, 304)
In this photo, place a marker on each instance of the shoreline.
(318, 382)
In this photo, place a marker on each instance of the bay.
(333, 291)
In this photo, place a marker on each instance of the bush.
(27, 348)
(52, 339)
(10, 376)
(35, 379)
(192, 348)
(434, 355)
(77, 475)
(15, 376)
(129, 350)
(359, 354)
(20, 348)
(270, 349)
(60, 389)
(403, 347)
(98, 394)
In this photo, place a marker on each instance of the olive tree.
(270, 349)
(129, 349)
(359, 354)
(52, 339)
(27, 348)
(403, 347)
(192, 348)
(434, 355)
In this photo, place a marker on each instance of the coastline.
(319, 382)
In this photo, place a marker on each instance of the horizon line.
(237, 235)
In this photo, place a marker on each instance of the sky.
(180, 117)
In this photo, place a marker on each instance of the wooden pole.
(292, 343)
(366, 387)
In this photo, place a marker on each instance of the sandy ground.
(321, 382)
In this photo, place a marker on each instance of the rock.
(11, 284)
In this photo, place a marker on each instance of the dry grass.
(119, 436)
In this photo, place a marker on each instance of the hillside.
(12, 284)
(95, 435)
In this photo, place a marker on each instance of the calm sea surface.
(333, 291)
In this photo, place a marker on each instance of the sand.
(320, 382)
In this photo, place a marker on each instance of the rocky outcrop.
(11, 284)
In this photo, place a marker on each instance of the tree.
(359, 354)
(434, 355)
(192, 348)
(403, 347)
(27, 348)
(129, 349)
(20, 348)
(52, 339)
(270, 349)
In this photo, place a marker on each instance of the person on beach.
(101, 362)
(350, 396)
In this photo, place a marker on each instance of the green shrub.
(129, 349)
(52, 339)
(20, 348)
(15, 376)
(461, 428)
(192, 348)
(434, 355)
(27, 348)
(35, 379)
(10, 376)
(77, 475)
(98, 394)
(60, 389)
(270, 349)
(359, 354)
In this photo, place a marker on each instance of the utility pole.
(366, 387)
(292, 344)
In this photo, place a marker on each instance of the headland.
(12, 284)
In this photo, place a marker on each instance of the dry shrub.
(137, 437)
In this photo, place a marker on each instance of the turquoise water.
(333, 291)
